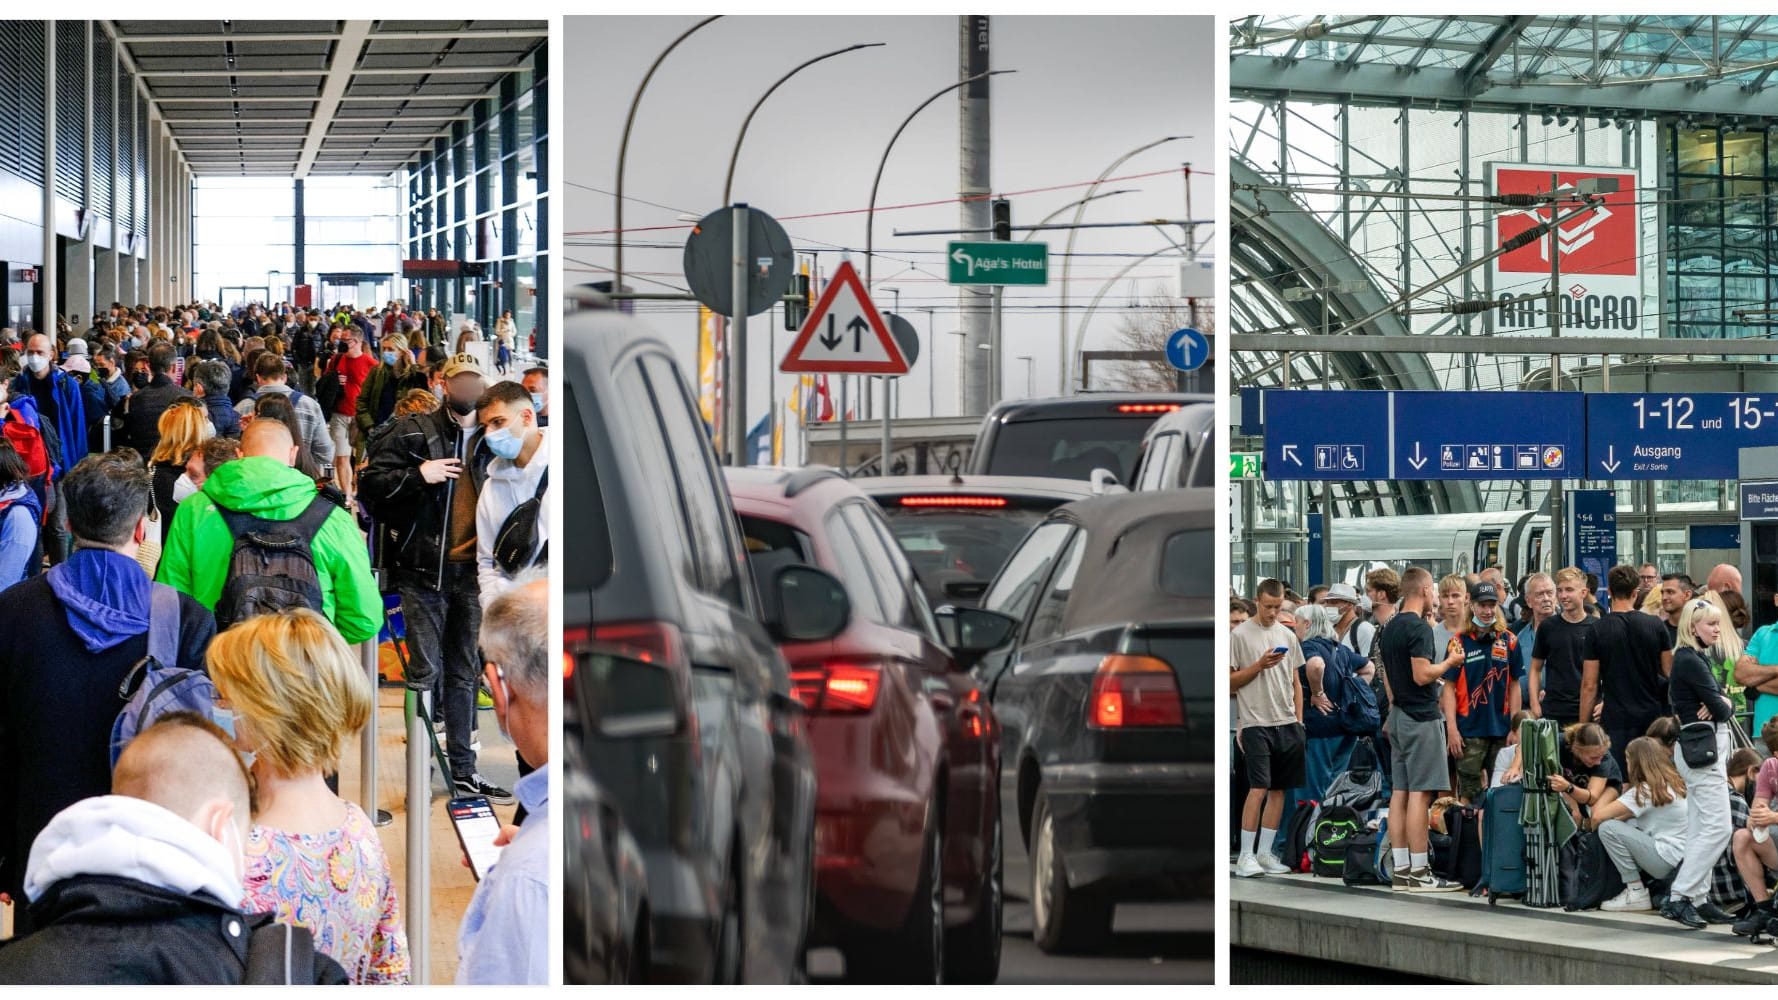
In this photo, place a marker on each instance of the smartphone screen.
(476, 827)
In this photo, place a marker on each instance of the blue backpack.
(1357, 712)
(157, 684)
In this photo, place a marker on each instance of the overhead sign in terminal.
(1599, 254)
(1367, 434)
(1370, 434)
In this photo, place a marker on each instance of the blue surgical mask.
(504, 443)
(537, 402)
(388, 357)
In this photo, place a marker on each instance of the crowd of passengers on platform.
(1434, 680)
(186, 550)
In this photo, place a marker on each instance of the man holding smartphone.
(1418, 768)
(1269, 711)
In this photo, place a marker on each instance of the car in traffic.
(1105, 699)
(605, 894)
(1071, 437)
(701, 741)
(907, 828)
(1179, 450)
(958, 530)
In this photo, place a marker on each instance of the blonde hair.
(416, 401)
(297, 684)
(1651, 769)
(1570, 573)
(1694, 609)
(1728, 643)
(184, 427)
(1587, 736)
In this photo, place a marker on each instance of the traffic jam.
(881, 729)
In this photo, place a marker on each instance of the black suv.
(691, 726)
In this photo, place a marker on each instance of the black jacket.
(57, 704)
(139, 415)
(412, 514)
(101, 929)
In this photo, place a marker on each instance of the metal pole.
(1558, 543)
(623, 150)
(845, 468)
(49, 275)
(887, 388)
(1080, 336)
(735, 360)
(995, 391)
(931, 364)
(419, 858)
(367, 759)
(974, 160)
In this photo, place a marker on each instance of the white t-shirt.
(1358, 638)
(1270, 698)
(1666, 824)
(1503, 760)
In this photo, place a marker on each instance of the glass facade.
(481, 195)
(245, 238)
(1722, 185)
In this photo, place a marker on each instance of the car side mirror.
(972, 633)
(811, 605)
(1104, 482)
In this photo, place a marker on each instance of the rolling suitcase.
(1503, 844)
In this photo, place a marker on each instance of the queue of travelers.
(1653, 683)
(192, 502)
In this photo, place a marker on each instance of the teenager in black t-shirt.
(1634, 657)
(1563, 650)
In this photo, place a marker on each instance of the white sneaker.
(1271, 865)
(1248, 867)
(1631, 900)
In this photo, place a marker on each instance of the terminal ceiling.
(310, 98)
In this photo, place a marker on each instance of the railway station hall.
(245, 264)
(1501, 338)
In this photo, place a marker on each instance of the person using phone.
(293, 693)
(1264, 656)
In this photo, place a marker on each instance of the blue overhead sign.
(1675, 435)
(1367, 434)
(1759, 501)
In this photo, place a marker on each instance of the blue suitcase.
(1503, 844)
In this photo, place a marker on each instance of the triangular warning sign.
(845, 333)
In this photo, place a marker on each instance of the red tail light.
(571, 637)
(953, 501)
(650, 642)
(1147, 407)
(836, 687)
(1135, 691)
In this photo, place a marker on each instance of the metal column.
(49, 273)
(419, 871)
(735, 360)
(367, 759)
(973, 186)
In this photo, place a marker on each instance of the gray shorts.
(1418, 761)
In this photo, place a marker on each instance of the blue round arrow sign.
(1187, 349)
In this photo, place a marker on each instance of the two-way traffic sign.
(845, 334)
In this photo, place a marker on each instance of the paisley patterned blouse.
(337, 885)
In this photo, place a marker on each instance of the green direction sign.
(1244, 465)
(999, 263)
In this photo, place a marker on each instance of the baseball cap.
(1341, 592)
(462, 364)
(1484, 591)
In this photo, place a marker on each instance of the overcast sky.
(1087, 90)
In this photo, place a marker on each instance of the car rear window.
(588, 564)
(946, 544)
(1186, 563)
(1069, 448)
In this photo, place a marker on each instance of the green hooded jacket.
(196, 556)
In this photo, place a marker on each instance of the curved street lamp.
(1080, 336)
(729, 181)
(623, 151)
(1068, 257)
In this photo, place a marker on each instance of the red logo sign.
(1602, 241)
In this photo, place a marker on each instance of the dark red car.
(908, 872)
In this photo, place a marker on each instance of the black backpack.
(1587, 876)
(1361, 855)
(273, 565)
(516, 546)
(1338, 826)
(328, 390)
(1298, 833)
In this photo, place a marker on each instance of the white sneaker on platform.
(1631, 900)
(1271, 865)
(1248, 867)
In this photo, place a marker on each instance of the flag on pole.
(759, 441)
(824, 411)
(710, 368)
(778, 439)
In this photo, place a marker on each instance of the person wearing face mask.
(215, 453)
(137, 423)
(519, 472)
(264, 486)
(113, 385)
(394, 374)
(536, 382)
(142, 886)
(296, 695)
(59, 399)
(1481, 694)
(67, 638)
(423, 478)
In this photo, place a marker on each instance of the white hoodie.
(131, 838)
(506, 487)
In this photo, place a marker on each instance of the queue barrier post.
(419, 871)
(367, 760)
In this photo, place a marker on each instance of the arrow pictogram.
(1611, 463)
(857, 328)
(960, 257)
(1417, 461)
(831, 339)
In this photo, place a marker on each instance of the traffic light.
(796, 305)
(1002, 210)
